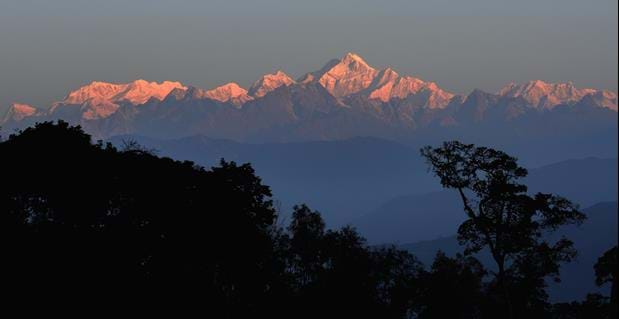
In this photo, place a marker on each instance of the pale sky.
(48, 47)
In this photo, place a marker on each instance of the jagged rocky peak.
(229, 93)
(268, 83)
(95, 89)
(479, 97)
(392, 86)
(101, 99)
(140, 91)
(352, 75)
(354, 61)
(18, 112)
(348, 88)
(602, 98)
(385, 76)
(388, 85)
(180, 93)
(545, 95)
(307, 78)
(136, 92)
(346, 76)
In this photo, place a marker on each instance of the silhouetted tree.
(452, 288)
(505, 219)
(104, 223)
(85, 223)
(606, 272)
(594, 306)
(397, 277)
(337, 275)
(307, 232)
(90, 218)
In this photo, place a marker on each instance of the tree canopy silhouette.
(104, 222)
(606, 270)
(87, 224)
(595, 305)
(505, 219)
(132, 219)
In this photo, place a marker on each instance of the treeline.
(85, 224)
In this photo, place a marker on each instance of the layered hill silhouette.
(595, 236)
(158, 234)
(346, 179)
(344, 99)
(418, 217)
(340, 178)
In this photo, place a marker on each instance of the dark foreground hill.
(94, 227)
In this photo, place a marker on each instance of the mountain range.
(345, 98)
(345, 140)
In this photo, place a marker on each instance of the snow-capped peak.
(136, 92)
(351, 58)
(545, 95)
(269, 82)
(352, 75)
(140, 91)
(101, 99)
(18, 112)
(389, 85)
(346, 76)
(229, 92)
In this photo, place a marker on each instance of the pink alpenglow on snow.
(605, 98)
(347, 80)
(230, 92)
(351, 75)
(389, 85)
(136, 92)
(545, 95)
(18, 112)
(101, 99)
(268, 83)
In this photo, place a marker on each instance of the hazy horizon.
(459, 185)
(49, 48)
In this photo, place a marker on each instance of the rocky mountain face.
(268, 83)
(99, 100)
(230, 92)
(350, 75)
(346, 98)
(540, 94)
(17, 112)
